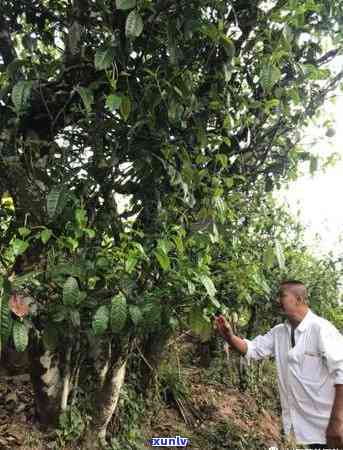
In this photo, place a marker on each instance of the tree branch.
(7, 50)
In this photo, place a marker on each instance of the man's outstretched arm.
(228, 335)
(260, 347)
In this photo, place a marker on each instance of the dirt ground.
(214, 416)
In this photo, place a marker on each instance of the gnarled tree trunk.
(47, 383)
(105, 404)
(152, 352)
(110, 365)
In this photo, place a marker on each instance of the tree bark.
(106, 404)
(152, 353)
(66, 381)
(47, 384)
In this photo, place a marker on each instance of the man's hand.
(227, 333)
(334, 433)
(223, 327)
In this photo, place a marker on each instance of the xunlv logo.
(169, 442)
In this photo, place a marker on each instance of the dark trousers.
(317, 446)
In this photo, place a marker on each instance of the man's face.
(288, 302)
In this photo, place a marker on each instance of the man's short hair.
(297, 288)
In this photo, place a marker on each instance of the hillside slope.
(203, 405)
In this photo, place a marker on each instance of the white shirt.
(307, 373)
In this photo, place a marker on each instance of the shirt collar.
(304, 323)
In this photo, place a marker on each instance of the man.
(308, 352)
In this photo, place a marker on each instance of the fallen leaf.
(18, 305)
(11, 397)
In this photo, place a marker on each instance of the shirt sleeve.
(331, 346)
(261, 346)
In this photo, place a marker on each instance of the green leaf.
(75, 317)
(199, 325)
(67, 269)
(13, 68)
(163, 260)
(45, 235)
(269, 257)
(81, 217)
(103, 59)
(179, 244)
(279, 254)
(71, 292)
(118, 313)
(209, 286)
(134, 24)
(20, 336)
(287, 33)
(140, 248)
(135, 314)
(164, 245)
(191, 287)
(71, 243)
(6, 321)
(125, 107)
(125, 4)
(229, 182)
(151, 316)
(215, 302)
(25, 278)
(269, 76)
(313, 164)
(87, 97)
(101, 320)
(50, 338)
(229, 47)
(113, 102)
(24, 231)
(90, 232)
(60, 313)
(21, 93)
(330, 132)
(19, 246)
(131, 262)
(223, 159)
(52, 200)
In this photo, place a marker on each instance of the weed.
(71, 426)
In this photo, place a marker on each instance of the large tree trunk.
(152, 353)
(13, 362)
(47, 384)
(206, 351)
(106, 403)
(53, 375)
(110, 361)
